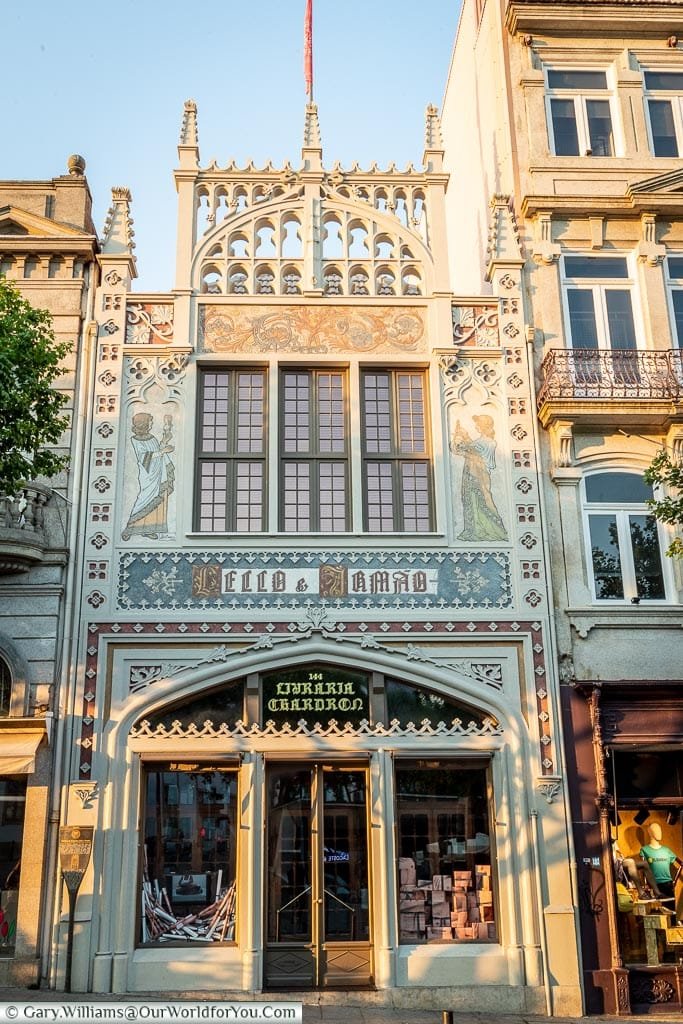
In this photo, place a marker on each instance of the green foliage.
(30, 408)
(665, 471)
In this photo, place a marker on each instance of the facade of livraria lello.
(313, 720)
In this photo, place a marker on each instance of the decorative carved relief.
(149, 323)
(476, 326)
(311, 329)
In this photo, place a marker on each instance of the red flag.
(308, 49)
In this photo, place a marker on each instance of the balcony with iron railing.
(607, 386)
(22, 529)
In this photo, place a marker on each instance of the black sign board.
(315, 693)
(75, 847)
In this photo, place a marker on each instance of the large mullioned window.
(396, 467)
(232, 448)
(313, 451)
(315, 431)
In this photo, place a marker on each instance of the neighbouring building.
(47, 249)
(314, 719)
(574, 109)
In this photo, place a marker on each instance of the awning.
(18, 752)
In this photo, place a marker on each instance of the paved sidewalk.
(327, 1010)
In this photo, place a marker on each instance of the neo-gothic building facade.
(574, 109)
(313, 719)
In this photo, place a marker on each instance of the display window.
(648, 854)
(446, 881)
(12, 807)
(188, 876)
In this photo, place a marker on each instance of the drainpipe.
(65, 676)
(541, 915)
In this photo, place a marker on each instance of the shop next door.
(318, 923)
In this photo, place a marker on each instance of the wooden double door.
(318, 912)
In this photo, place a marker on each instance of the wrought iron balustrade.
(627, 374)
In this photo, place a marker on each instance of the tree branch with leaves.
(667, 472)
(30, 408)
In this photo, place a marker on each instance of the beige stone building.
(573, 109)
(314, 716)
(47, 249)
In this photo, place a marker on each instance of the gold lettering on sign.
(206, 581)
(333, 581)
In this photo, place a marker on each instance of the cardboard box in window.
(439, 897)
(462, 879)
(463, 933)
(459, 919)
(474, 914)
(486, 910)
(425, 883)
(411, 905)
(412, 922)
(493, 934)
(439, 934)
(447, 883)
(472, 899)
(484, 896)
(406, 871)
(460, 900)
(441, 921)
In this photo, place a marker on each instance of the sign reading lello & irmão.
(317, 693)
(295, 579)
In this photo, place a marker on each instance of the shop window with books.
(12, 806)
(446, 880)
(648, 854)
(189, 854)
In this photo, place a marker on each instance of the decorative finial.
(188, 131)
(118, 227)
(312, 127)
(76, 165)
(504, 244)
(433, 138)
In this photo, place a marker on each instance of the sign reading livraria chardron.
(318, 693)
(297, 579)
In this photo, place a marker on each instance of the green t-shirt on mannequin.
(660, 859)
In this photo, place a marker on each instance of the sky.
(108, 81)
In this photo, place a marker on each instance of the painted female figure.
(482, 520)
(149, 514)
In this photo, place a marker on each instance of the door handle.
(319, 899)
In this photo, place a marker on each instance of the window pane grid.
(232, 425)
(314, 423)
(416, 504)
(379, 497)
(411, 422)
(397, 490)
(296, 422)
(296, 497)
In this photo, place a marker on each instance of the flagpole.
(308, 50)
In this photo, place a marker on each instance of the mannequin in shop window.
(660, 860)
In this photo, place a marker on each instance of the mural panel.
(311, 329)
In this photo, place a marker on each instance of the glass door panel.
(317, 878)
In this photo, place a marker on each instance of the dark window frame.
(397, 458)
(231, 458)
